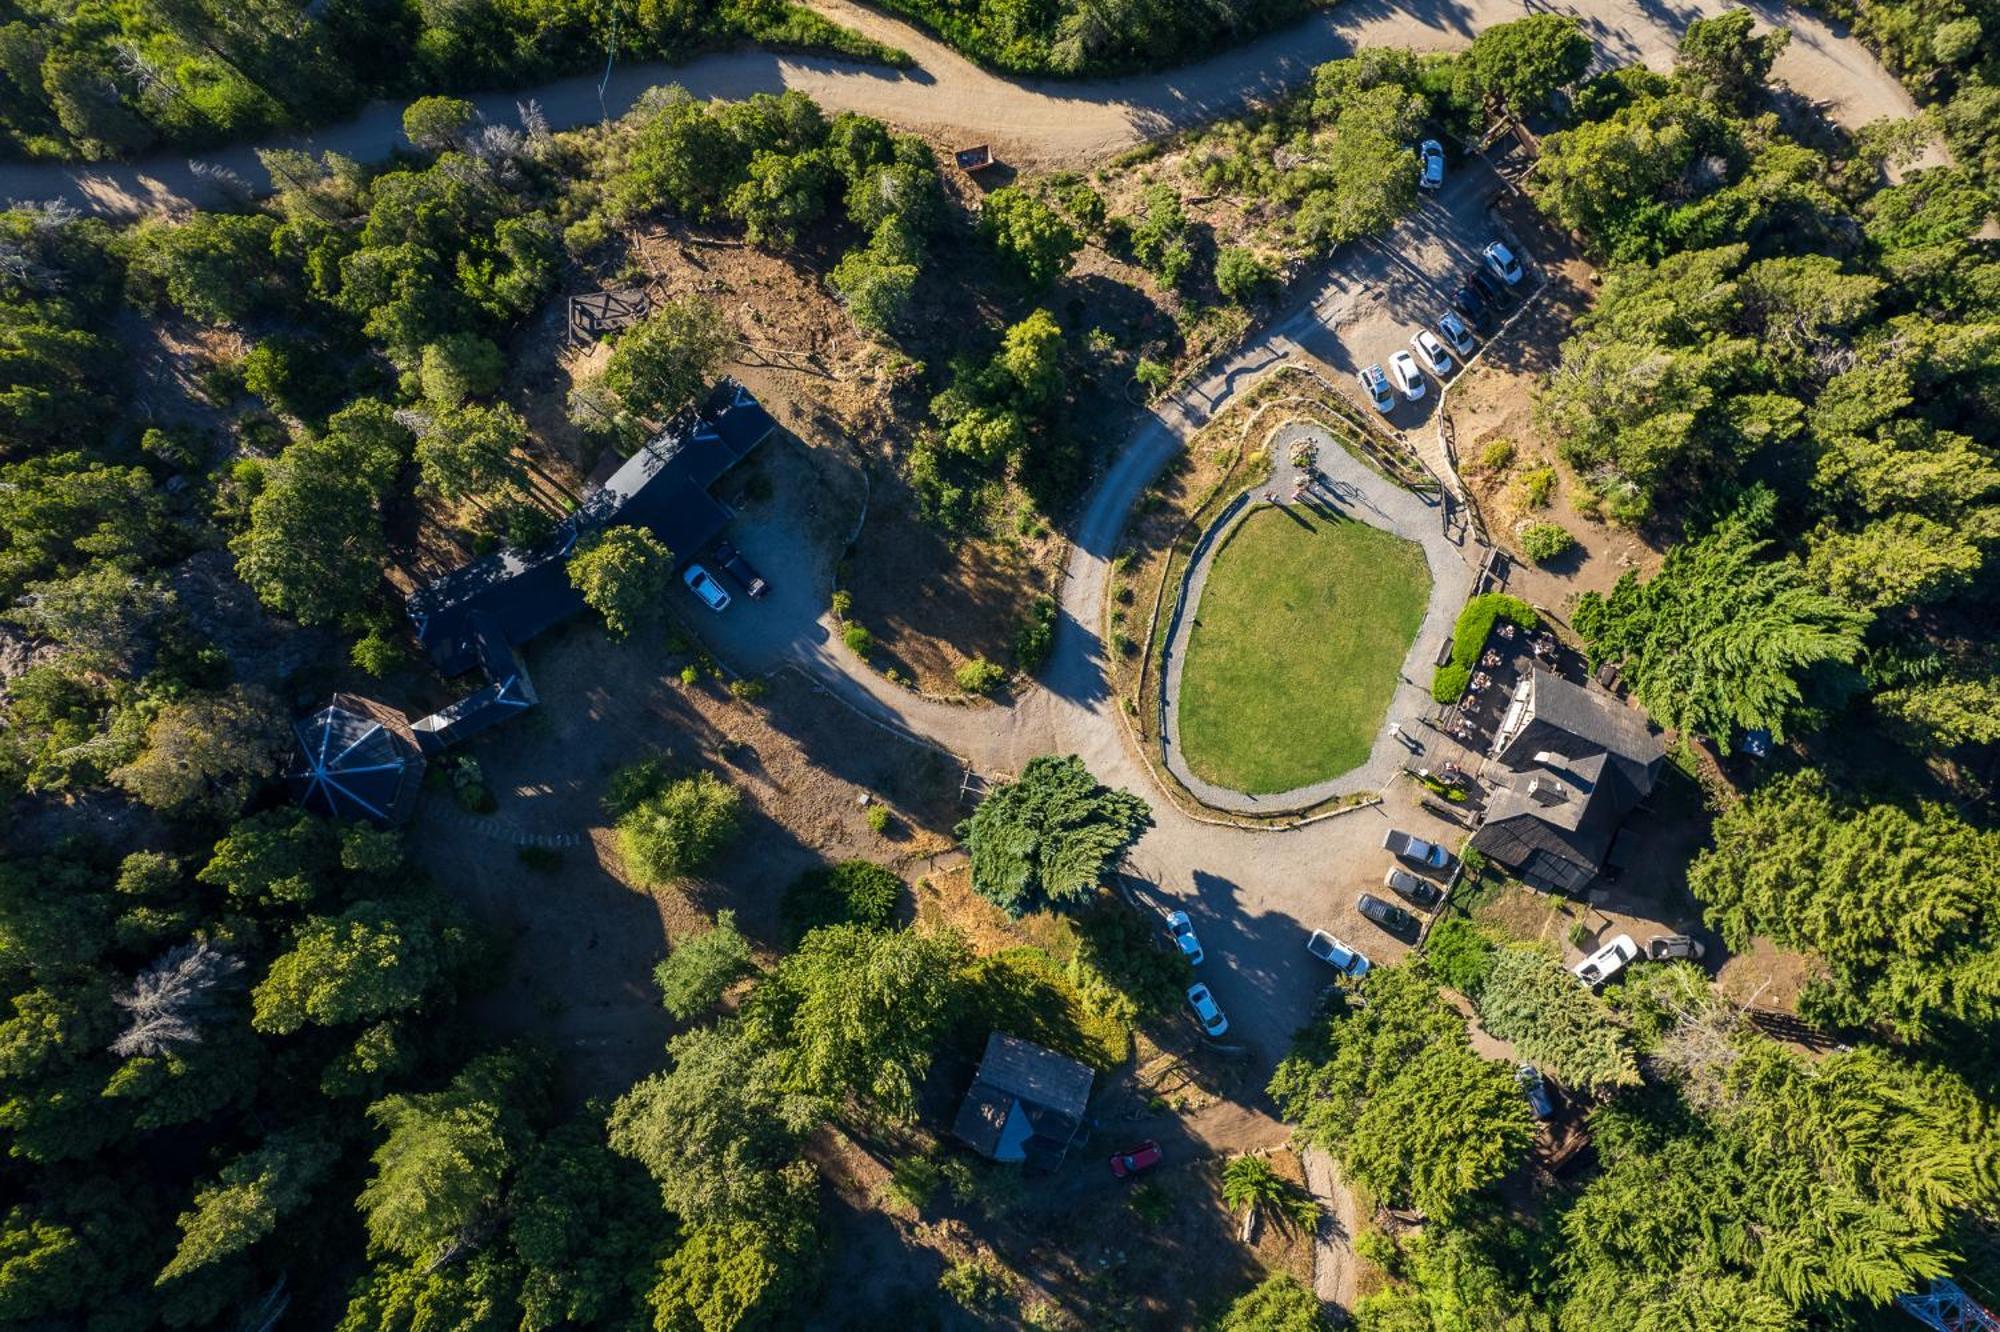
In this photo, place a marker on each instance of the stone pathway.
(1349, 485)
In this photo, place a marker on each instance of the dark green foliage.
(853, 892)
(1521, 64)
(1460, 954)
(1531, 999)
(623, 573)
(1028, 234)
(1049, 838)
(1394, 1091)
(1723, 639)
(1468, 639)
(702, 967)
(1280, 1304)
(1897, 903)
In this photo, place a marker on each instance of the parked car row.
(1620, 952)
(1443, 348)
(710, 590)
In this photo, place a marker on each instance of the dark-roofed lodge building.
(358, 759)
(1025, 1105)
(1568, 765)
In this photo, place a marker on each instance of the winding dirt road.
(1031, 122)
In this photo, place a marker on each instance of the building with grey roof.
(1568, 764)
(1026, 1104)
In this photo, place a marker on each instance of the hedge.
(1468, 640)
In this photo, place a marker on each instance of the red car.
(1134, 1159)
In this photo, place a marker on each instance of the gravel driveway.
(1031, 122)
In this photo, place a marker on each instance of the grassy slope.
(1299, 637)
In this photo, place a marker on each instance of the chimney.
(1547, 791)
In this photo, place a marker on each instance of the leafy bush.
(854, 892)
(1036, 636)
(1539, 487)
(976, 1283)
(1460, 954)
(1497, 456)
(1542, 542)
(634, 783)
(915, 1180)
(700, 970)
(1468, 639)
(677, 831)
(877, 818)
(980, 676)
(859, 641)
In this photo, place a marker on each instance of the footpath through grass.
(1298, 641)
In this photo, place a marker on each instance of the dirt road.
(1031, 122)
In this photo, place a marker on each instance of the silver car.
(1207, 1010)
(1433, 352)
(1338, 954)
(1376, 385)
(703, 585)
(1456, 333)
(1501, 263)
(1430, 160)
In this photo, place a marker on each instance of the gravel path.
(1030, 122)
(1349, 486)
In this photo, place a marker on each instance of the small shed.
(1026, 1104)
(974, 159)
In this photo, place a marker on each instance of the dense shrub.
(1542, 542)
(1468, 639)
(1460, 954)
(675, 832)
(980, 676)
(1036, 636)
(853, 892)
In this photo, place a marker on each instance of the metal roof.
(356, 759)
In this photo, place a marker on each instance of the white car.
(1607, 961)
(1207, 1009)
(703, 585)
(1182, 929)
(1456, 333)
(1430, 160)
(1405, 375)
(1501, 263)
(1376, 385)
(1433, 352)
(1338, 954)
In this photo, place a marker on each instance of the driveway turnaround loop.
(1364, 494)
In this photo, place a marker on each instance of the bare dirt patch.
(584, 942)
(1511, 470)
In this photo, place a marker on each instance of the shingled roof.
(1026, 1102)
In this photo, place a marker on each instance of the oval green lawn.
(1298, 641)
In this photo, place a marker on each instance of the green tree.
(855, 1012)
(1028, 234)
(677, 831)
(445, 1155)
(374, 958)
(1251, 1184)
(1241, 276)
(587, 1228)
(460, 366)
(1946, 713)
(1030, 356)
(853, 892)
(666, 360)
(714, 1129)
(1049, 838)
(702, 967)
(469, 450)
(1521, 64)
(214, 267)
(1719, 56)
(1531, 999)
(1278, 1304)
(624, 573)
(1723, 638)
(781, 195)
(1898, 904)
(745, 1274)
(875, 281)
(248, 1199)
(209, 753)
(1396, 1093)
(437, 123)
(314, 547)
